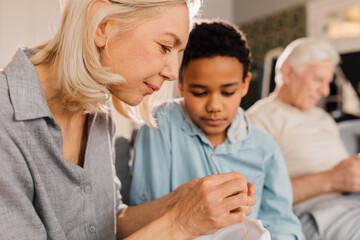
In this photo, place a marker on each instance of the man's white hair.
(302, 52)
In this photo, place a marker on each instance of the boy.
(206, 132)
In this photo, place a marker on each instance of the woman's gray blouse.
(42, 195)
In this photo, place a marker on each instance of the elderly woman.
(57, 176)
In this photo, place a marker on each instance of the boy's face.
(212, 89)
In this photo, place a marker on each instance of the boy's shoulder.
(171, 105)
(169, 110)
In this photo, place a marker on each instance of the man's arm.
(344, 177)
(311, 185)
(196, 208)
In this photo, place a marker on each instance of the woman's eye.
(227, 94)
(165, 49)
(199, 94)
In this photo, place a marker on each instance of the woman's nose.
(171, 68)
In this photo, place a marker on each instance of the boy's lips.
(212, 122)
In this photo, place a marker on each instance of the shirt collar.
(190, 127)
(26, 94)
(239, 129)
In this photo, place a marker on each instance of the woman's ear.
(101, 34)
(103, 29)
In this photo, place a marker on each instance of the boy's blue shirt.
(178, 151)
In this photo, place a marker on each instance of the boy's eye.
(227, 94)
(198, 94)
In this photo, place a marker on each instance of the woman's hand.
(211, 203)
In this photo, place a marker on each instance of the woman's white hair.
(302, 52)
(82, 80)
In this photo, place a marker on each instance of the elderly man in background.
(319, 166)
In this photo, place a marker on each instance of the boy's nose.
(213, 105)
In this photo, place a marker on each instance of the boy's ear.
(245, 85)
(181, 88)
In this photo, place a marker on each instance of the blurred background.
(269, 25)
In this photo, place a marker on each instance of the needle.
(245, 231)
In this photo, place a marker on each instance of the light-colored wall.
(24, 22)
(28, 22)
(245, 10)
(2, 37)
(223, 9)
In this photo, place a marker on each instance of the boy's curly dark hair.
(211, 38)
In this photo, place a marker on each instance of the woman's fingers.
(218, 179)
(251, 188)
(218, 187)
(232, 187)
(214, 202)
(238, 203)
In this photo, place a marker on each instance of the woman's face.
(148, 54)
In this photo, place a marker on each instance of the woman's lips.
(151, 88)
